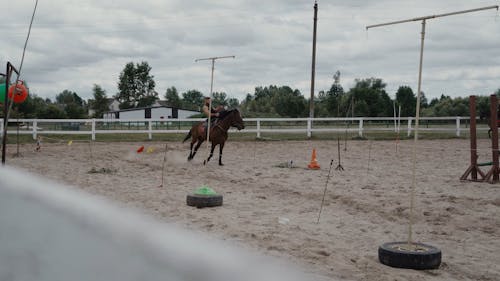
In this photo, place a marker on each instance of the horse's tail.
(187, 137)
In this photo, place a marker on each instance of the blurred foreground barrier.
(50, 232)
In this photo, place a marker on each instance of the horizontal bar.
(433, 16)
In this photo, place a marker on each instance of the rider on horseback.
(208, 110)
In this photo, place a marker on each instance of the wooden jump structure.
(493, 174)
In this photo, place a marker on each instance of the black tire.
(202, 201)
(396, 254)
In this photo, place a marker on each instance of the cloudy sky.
(75, 44)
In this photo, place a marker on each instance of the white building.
(113, 105)
(151, 112)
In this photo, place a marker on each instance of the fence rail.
(308, 126)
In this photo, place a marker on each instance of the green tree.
(219, 98)
(333, 96)
(370, 99)
(31, 107)
(274, 101)
(483, 107)
(233, 103)
(407, 100)
(136, 86)
(192, 99)
(288, 102)
(53, 111)
(100, 102)
(172, 97)
(71, 104)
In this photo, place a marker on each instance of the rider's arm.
(207, 112)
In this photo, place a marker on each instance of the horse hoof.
(204, 162)
(220, 164)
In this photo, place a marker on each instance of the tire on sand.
(398, 254)
(202, 201)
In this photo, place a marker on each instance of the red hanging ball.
(21, 92)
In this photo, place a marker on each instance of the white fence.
(308, 126)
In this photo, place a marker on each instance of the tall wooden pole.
(493, 175)
(473, 169)
(313, 66)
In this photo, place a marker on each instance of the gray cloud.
(76, 44)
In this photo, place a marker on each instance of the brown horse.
(491, 127)
(218, 133)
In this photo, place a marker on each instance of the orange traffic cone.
(314, 163)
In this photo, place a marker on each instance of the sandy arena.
(274, 209)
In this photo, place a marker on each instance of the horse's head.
(236, 120)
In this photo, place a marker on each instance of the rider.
(213, 113)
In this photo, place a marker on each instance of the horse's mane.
(225, 113)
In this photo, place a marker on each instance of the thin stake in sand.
(339, 166)
(163, 166)
(369, 157)
(91, 157)
(324, 192)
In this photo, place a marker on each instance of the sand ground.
(274, 209)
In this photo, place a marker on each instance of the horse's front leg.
(211, 153)
(221, 146)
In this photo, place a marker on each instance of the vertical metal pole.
(5, 111)
(258, 128)
(415, 137)
(473, 139)
(313, 67)
(93, 129)
(210, 107)
(360, 128)
(394, 108)
(494, 138)
(150, 130)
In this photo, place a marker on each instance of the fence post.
(409, 126)
(35, 125)
(1, 128)
(458, 126)
(309, 125)
(150, 129)
(258, 128)
(93, 129)
(360, 130)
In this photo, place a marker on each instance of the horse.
(218, 133)
(491, 127)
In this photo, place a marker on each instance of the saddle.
(202, 130)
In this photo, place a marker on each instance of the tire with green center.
(420, 256)
(202, 201)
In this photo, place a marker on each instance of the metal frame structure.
(493, 175)
(6, 106)
(419, 93)
(211, 89)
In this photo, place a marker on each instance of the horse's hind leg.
(221, 147)
(198, 144)
(191, 155)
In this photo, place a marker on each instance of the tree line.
(136, 88)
